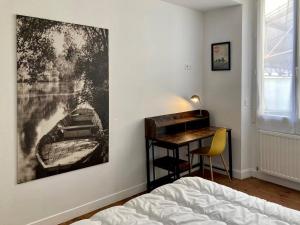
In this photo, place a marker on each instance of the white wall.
(150, 41)
(222, 89)
(248, 156)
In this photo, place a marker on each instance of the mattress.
(195, 201)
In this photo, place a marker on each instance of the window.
(279, 27)
(277, 63)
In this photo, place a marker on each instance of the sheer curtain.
(298, 66)
(276, 65)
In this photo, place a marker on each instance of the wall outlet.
(188, 67)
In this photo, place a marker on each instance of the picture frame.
(62, 97)
(220, 56)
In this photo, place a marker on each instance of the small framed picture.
(220, 56)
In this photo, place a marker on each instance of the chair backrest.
(218, 143)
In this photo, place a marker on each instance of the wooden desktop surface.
(186, 137)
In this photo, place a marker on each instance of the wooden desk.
(172, 132)
(185, 138)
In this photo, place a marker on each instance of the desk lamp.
(196, 100)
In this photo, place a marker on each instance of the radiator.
(280, 155)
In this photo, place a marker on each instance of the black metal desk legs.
(189, 159)
(200, 157)
(177, 169)
(148, 164)
(230, 153)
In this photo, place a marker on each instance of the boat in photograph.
(72, 141)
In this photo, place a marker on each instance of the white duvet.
(195, 201)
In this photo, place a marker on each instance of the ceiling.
(204, 5)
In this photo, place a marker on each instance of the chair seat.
(201, 151)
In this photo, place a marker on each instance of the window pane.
(278, 57)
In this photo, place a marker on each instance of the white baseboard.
(242, 174)
(251, 172)
(90, 206)
(276, 180)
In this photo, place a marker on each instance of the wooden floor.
(252, 186)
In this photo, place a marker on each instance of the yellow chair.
(216, 149)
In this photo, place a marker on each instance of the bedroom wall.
(248, 155)
(150, 43)
(222, 89)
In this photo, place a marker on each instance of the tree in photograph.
(34, 48)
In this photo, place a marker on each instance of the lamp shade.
(195, 99)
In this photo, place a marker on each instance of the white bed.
(195, 201)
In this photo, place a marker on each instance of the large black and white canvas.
(62, 94)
